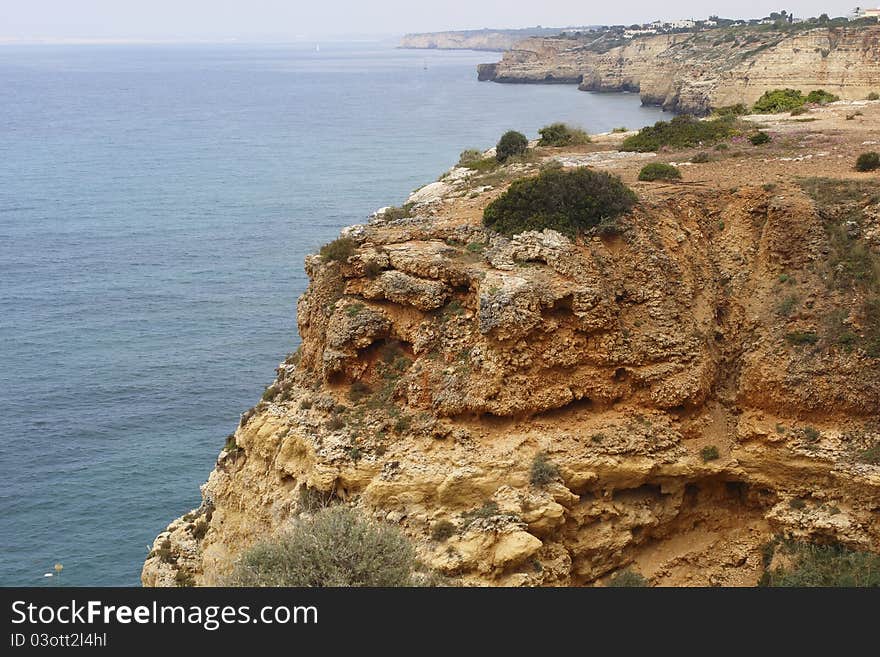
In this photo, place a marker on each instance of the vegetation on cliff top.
(683, 131)
(807, 564)
(775, 101)
(511, 143)
(659, 171)
(560, 134)
(335, 547)
(565, 201)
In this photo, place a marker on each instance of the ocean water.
(156, 204)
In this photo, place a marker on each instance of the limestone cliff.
(654, 367)
(488, 39)
(694, 72)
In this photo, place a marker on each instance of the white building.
(682, 25)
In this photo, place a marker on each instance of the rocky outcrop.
(493, 40)
(693, 72)
(651, 367)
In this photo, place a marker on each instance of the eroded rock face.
(650, 367)
(695, 72)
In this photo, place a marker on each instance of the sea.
(156, 205)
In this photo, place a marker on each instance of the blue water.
(156, 204)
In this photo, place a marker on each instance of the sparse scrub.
(560, 134)
(873, 96)
(801, 338)
(511, 143)
(759, 138)
(627, 579)
(730, 111)
(469, 157)
(681, 132)
(543, 471)
(709, 453)
(871, 455)
(869, 161)
(335, 547)
(442, 530)
(231, 446)
(700, 158)
(566, 201)
(811, 434)
(622, 128)
(787, 306)
(488, 510)
(659, 171)
(396, 213)
(339, 250)
(812, 565)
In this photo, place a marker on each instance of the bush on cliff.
(681, 132)
(335, 547)
(511, 143)
(560, 134)
(566, 201)
(339, 250)
(659, 171)
(868, 161)
(813, 565)
(778, 100)
(821, 97)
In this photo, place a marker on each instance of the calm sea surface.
(156, 203)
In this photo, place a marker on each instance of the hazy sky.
(259, 19)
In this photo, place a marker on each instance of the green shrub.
(700, 158)
(778, 100)
(814, 565)
(730, 110)
(339, 250)
(511, 143)
(869, 161)
(627, 579)
(821, 97)
(442, 530)
(622, 128)
(543, 471)
(396, 213)
(335, 547)
(873, 96)
(802, 337)
(798, 111)
(488, 510)
(659, 171)
(709, 453)
(811, 434)
(681, 132)
(871, 455)
(722, 147)
(566, 201)
(560, 134)
(788, 305)
(759, 138)
(469, 157)
(231, 445)
(165, 552)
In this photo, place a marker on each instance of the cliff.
(660, 368)
(492, 40)
(693, 72)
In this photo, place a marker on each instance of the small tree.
(565, 201)
(335, 547)
(511, 143)
(659, 171)
(868, 161)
